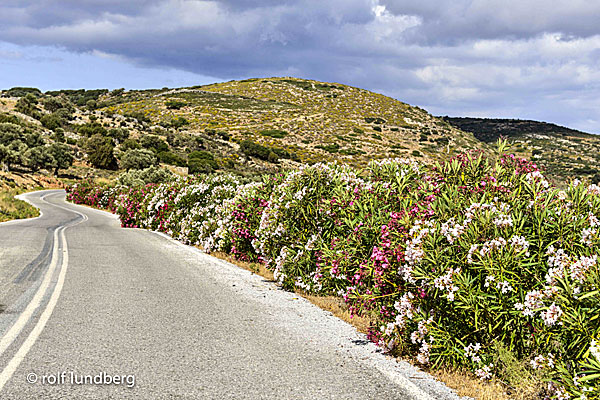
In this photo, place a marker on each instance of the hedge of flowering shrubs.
(471, 263)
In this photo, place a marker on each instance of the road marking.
(20, 323)
(13, 364)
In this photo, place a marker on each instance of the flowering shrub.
(454, 261)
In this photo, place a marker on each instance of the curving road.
(93, 311)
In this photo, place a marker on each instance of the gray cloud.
(528, 56)
(460, 20)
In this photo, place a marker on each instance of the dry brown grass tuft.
(257, 268)
(465, 384)
(337, 307)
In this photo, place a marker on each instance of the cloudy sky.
(529, 59)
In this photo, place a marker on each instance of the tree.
(62, 155)
(36, 158)
(129, 144)
(52, 104)
(167, 157)
(14, 154)
(52, 121)
(22, 91)
(33, 139)
(138, 159)
(59, 135)
(28, 105)
(100, 151)
(175, 104)
(91, 129)
(3, 156)
(252, 149)
(10, 132)
(91, 104)
(154, 143)
(119, 134)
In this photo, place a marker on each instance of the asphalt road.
(86, 303)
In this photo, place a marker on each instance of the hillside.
(262, 125)
(564, 152)
(313, 120)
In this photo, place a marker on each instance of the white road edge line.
(11, 335)
(397, 378)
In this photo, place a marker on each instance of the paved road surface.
(81, 296)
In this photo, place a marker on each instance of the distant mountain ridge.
(562, 151)
(490, 129)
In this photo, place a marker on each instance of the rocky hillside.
(255, 126)
(562, 151)
(310, 120)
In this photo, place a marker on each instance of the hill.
(262, 125)
(562, 151)
(314, 121)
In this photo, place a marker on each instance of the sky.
(526, 59)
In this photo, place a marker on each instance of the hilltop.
(564, 152)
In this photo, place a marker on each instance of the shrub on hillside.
(92, 128)
(138, 159)
(274, 133)
(129, 144)
(175, 104)
(251, 149)
(170, 158)
(141, 177)
(154, 143)
(201, 162)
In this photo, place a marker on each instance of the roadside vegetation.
(475, 264)
(12, 208)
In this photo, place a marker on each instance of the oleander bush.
(474, 263)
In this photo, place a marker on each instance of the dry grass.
(256, 268)
(11, 208)
(463, 382)
(337, 307)
(7, 104)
